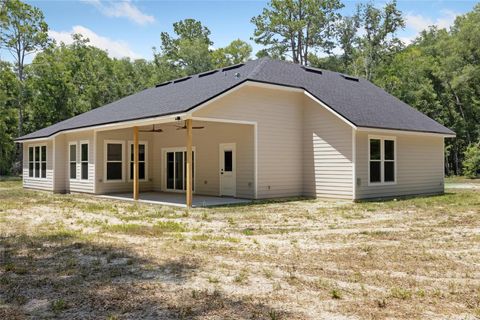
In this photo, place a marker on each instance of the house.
(262, 129)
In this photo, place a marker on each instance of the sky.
(131, 28)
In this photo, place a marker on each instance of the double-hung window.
(30, 162)
(114, 160)
(37, 162)
(72, 160)
(382, 166)
(142, 161)
(84, 160)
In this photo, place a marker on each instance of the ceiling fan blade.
(152, 130)
(183, 128)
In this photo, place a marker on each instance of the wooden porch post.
(135, 164)
(189, 163)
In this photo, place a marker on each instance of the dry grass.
(74, 256)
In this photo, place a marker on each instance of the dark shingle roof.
(356, 99)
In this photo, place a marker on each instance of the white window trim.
(40, 161)
(382, 160)
(79, 163)
(73, 143)
(164, 167)
(105, 143)
(130, 143)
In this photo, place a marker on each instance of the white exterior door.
(228, 169)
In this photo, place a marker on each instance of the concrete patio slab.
(176, 199)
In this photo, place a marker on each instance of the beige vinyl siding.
(419, 166)
(279, 118)
(207, 168)
(78, 185)
(60, 164)
(327, 153)
(123, 135)
(38, 183)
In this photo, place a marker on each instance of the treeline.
(438, 73)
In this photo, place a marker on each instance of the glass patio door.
(176, 170)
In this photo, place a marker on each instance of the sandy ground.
(78, 257)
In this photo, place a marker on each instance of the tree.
(23, 32)
(379, 40)
(297, 27)
(471, 164)
(8, 92)
(188, 53)
(237, 51)
(346, 32)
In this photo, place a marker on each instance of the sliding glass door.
(176, 170)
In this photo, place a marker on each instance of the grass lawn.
(76, 257)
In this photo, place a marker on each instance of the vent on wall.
(313, 70)
(347, 77)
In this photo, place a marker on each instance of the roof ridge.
(258, 67)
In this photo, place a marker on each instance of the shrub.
(471, 164)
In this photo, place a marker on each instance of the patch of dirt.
(416, 258)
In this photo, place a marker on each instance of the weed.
(400, 293)
(268, 273)
(336, 294)
(58, 305)
(242, 277)
(248, 232)
(273, 315)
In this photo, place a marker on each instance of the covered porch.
(188, 162)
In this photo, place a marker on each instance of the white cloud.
(419, 23)
(122, 9)
(115, 48)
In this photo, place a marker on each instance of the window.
(381, 160)
(37, 162)
(84, 160)
(73, 160)
(228, 160)
(43, 161)
(30, 162)
(114, 161)
(142, 161)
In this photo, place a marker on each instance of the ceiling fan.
(152, 130)
(185, 127)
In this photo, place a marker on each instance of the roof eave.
(450, 134)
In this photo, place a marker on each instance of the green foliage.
(23, 32)
(379, 40)
(471, 164)
(297, 27)
(237, 51)
(64, 81)
(188, 52)
(9, 87)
